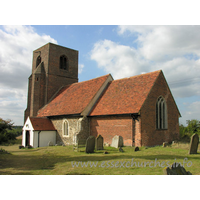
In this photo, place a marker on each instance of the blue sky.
(83, 38)
(123, 51)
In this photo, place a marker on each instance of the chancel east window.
(63, 62)
(65, 128)
(161, 114)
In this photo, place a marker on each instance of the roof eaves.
(123, 114)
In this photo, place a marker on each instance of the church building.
(61, 110)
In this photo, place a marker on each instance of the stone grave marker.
(99, 143)
(50, 143)
(176, 169)
(90, 144)
(117, 141)
(136, 148)
(194, 142)
(121, 144)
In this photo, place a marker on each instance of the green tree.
(182, 130)
(5, 124)
(5, 130)
(193, 126)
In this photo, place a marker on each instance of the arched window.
(65, 128)
(161, 114)
(38, 61)
(63, 62)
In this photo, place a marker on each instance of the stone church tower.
(53, 67)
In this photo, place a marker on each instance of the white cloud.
(80, 68)
(174, 49)
(16, 46)
(165, 42)
(134, 29)
(191, 112)
(119, 60)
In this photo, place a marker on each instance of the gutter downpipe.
(39, 138)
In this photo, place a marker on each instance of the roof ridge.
(87, 80)
(39, 117)
(138, 75)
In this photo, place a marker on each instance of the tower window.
(63, 62)
(38, 61)
(161, 114)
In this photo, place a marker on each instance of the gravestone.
(117, 141)
(194, 142)
(165, 144)
(90, 144)
(176, 169)
(121, 144)
(136, 148)
(99, 143)
(50, 143)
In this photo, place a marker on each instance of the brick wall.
(138, 136)
(142, 131)
(43, 52)
(58, 77)
(55, 52)
(150, 136)
(55, 83)
(45, 84)
(109, 126)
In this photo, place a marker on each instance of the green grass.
(58, 160)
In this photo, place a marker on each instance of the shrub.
(3, 151)
(8, 133)
(193, 126)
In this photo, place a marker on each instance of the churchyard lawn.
(62, 160)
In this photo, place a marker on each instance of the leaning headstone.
(176, 169)
(50, 143)
(99, 143)
(194, 142)
(117, 141)
(90, 144)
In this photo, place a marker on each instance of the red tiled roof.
(42, 124)
(126, 95)
(73, 99)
